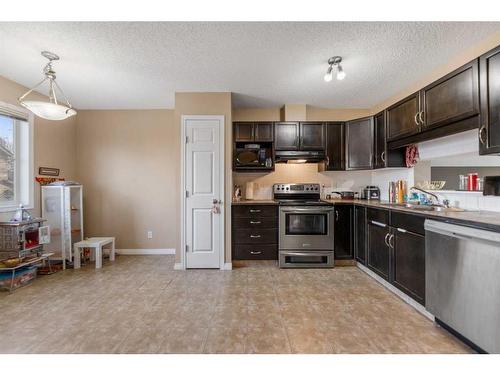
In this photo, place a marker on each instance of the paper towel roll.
(249, 190)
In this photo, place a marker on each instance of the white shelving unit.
(62, 207)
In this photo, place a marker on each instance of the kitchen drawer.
(255, 236)
(255, 211)
(255, 223)
(409, 222)
(375, 214)
(248, 252)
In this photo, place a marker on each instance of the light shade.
(328, 76)
(340, 73)
(48, 110)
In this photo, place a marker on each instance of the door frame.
(184, 119)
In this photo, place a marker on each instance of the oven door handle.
(313, 210)
(306, 253)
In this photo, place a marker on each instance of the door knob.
(216, 201)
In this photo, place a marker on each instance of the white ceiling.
(141, 65)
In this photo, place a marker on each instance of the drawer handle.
(255, 236)
(254, 211)
(255, 252)
(255, 222)
(378, 224)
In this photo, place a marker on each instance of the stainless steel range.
(305, 226)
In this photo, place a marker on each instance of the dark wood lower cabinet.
(343, 215)
(409, 264)
(360, 234)
(379, 252)
(254, 232)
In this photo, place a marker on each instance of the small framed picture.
(46, 171)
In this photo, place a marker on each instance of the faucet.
(445, 203)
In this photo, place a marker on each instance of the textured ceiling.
(141, 65)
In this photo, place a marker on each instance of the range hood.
(299, 156)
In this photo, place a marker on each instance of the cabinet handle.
(416, 119)
(255, 236)
(327, 161)
(378, 224)
(336, 216)
(382, 156)
(421, 117)
(482, 130)
(391, 241)
(255, 252)
(402, 230)
(385, 240)
(255, 222)
(254, 211)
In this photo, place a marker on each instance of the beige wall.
(312, 114)
(54, 141)
(207, 103)
(127, 163)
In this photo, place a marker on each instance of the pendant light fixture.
(334, 62)
(52, 109)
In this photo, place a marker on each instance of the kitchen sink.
(418, 207)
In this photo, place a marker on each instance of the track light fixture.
(334, 62)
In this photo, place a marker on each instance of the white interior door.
(204, 185)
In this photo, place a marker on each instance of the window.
(16, 158)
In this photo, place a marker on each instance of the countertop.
(484, 219)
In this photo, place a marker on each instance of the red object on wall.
(472, 181)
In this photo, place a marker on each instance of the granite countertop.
(254, 201)
(487, 219)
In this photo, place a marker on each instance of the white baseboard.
(227, 267)
(410, 301)
(178, 266)
(145, 251)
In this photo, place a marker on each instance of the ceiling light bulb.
(328, 76)
(340, 73)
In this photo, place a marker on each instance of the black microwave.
(253, 157)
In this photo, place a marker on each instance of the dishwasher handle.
(461, 231)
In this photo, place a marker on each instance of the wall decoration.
(46, 171)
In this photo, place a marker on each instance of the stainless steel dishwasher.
(462, 283)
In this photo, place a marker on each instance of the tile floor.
(141, 305)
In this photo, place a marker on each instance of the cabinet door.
(343, 232)
(244, 131)
(409, 263)
(360, 234)
(402, 118)
(359, 136)
(380, 152)
(286, 136)
(312, 136)
(263, 132)
(379, 254)
(335, 147)
(489, 131)
(452, 98)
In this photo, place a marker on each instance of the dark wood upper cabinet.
(335, 148)
(360, 234)
(253, 131)
(243, 131)
(286, 136)
(312, 136)
(343, 248)
(382, 156)
(452, 98)
(402, 117)
(263, 132)
(359, 143)
(489, 130)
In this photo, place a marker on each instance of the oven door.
(306, 228)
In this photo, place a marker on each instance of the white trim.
(145, 251)
(227, 266)
(410, 301)
(179, 267)
(222, 155)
